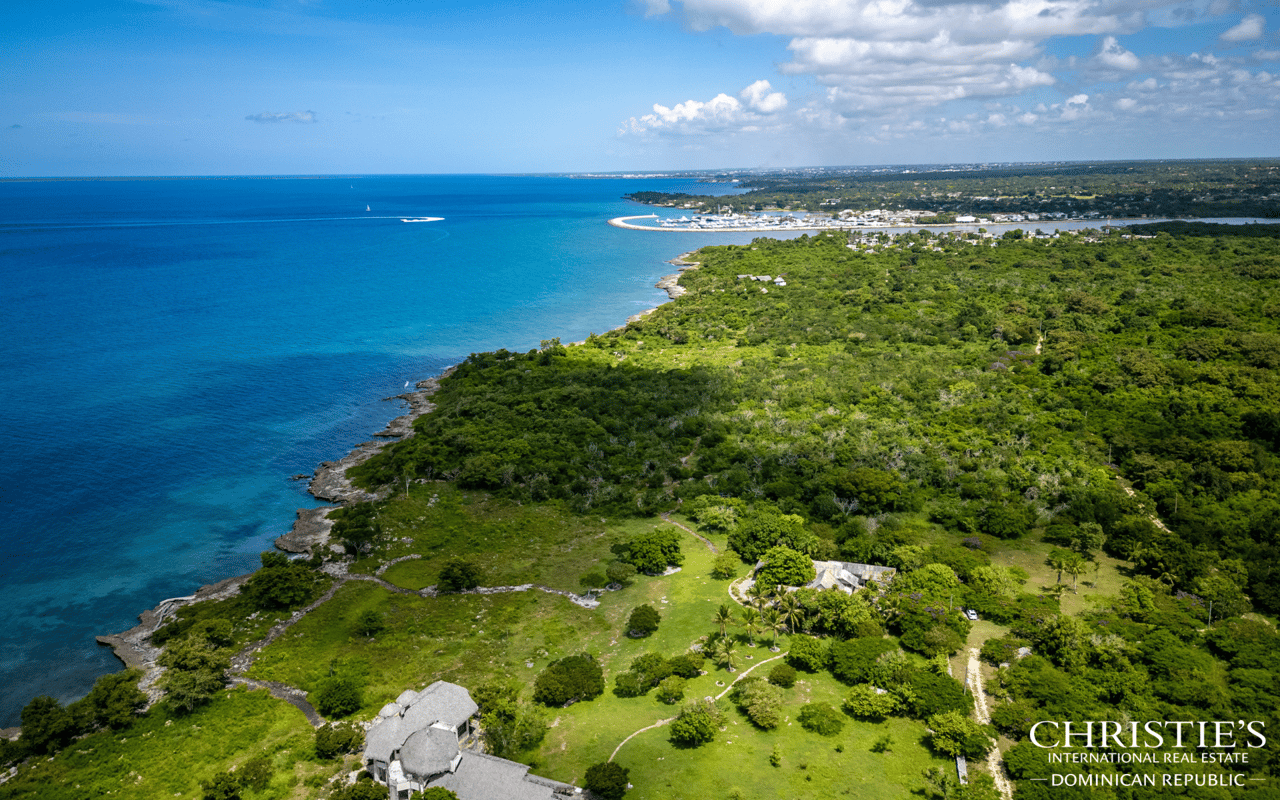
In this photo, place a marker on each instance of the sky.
(249, 87)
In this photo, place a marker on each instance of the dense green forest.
(1116, 188)
(1075, 437)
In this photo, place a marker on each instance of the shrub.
(650, 668)
(643, 621)
(688, 665)
(336, 738)
(115, 699)
(458, 575)
(370, 623)
(568, 681)
(606, 780)
(671, 689)
(954, 734)
(760, 701)
(726, 566)
(256, 773)
(865, 702)
(783, 675)
(853, 661)
(336, 696)
(653, 551)
(697, 724)
(627, 684)
(222, 786)
(807, 653)
(822, 719)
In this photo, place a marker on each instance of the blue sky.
(207, 87)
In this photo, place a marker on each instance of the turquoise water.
(174, 350)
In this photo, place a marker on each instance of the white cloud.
(720, 114)
(1111, 54)
(1267, 55)
(1249, 29)
(283, 116)
(653, 8)
(758, 97)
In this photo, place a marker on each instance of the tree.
(458, 575)
(643, 621)
(195, 672)
(697, 724)
(723, 618)
(651, 552)
(46, 725)
(115, 700)
(821, 718)
(1073, 564)
(280, 583)
(356, 527)
(671, 689)
(785, 567)
(750, 623)
(726, 654)
(768, 528)
(370, 623)
(513, 729)
(792, 611)
(771, 623)
(435, 793)
(606, 780)
(568, 681)
(337, 696)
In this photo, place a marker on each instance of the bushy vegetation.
(569, 680)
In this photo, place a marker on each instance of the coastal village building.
(423, 739)
(848, 577)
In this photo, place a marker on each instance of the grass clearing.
(159, 758)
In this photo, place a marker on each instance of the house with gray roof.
(848, 577)
(422, 739)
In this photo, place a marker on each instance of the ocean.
(174, 350)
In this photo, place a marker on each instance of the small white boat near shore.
(421, 219)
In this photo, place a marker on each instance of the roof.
(444, 703)
(429, 751)
(847, 576)
(484, 776)
(441, 703)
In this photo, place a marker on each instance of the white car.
(971, 614)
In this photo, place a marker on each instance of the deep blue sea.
(174, 350)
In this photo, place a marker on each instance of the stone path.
(668, 721)
(666, 515)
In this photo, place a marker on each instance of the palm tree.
(751, 622)
(726, 652)
(772, 622)
(758, 595)
(723, 617)
(1073, 564)
(1057, 560)
(792, 612)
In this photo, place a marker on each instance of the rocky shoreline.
(310, 532)
(669, 284)
(311, 528)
